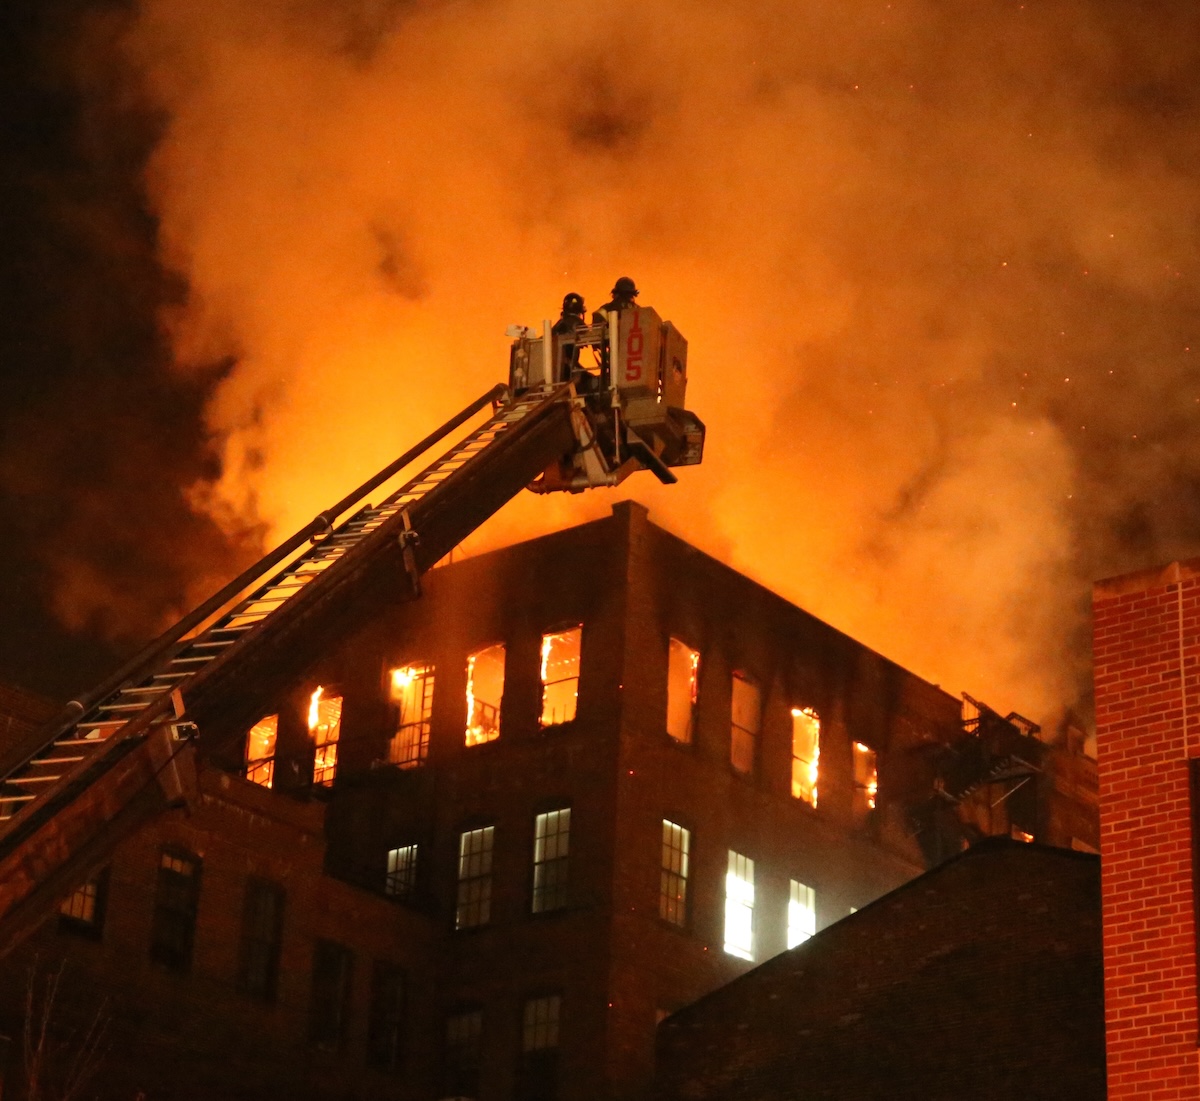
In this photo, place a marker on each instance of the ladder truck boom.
(127, 752)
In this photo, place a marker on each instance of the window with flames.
(560, 676)
(806, 754)
(325, 729)
(412, 695)
(260, 751)
(683, 666)
(485, 687)
(866, 778)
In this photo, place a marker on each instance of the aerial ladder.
(586, 405)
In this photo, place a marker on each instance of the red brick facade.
(1147, 657)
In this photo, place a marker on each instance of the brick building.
(981, 979)
(1147, 648)
(491, 837)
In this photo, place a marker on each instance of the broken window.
(325, 728)
(806, 754)
(537, 1072)
(333, 965)
(400, 879)
(683, 665)
(260, 751)
(747, 719)
(551, 843)
(866, 778)
(262, 939)
(82, 911)
(412, 694)
(176, 900)
(673, 880)
(485, 687)
(474, 878)
(802, 914)
(560, 676)
(739, 906)
(385, 1026)
(461, 1056)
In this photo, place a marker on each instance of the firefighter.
(623, 294)
(571, 318)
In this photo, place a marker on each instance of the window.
(739, 906)
(176, 899)
(537, 1073)
(672, 890)
(802, 914)
(560, 676)
(400, 879)
(82, 911)
(412, 693)
(385, 1027)
(325, 726)
(683, 665)
(551, 841)
(262, 938)
(866, 778)
(806, 754)
(747, 717)
(260, 751)
(474, 878)
(333, 965)
(485, 687)
(460, 1062)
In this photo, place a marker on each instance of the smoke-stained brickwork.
(1146, 650)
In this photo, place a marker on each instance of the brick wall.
(1146, 644)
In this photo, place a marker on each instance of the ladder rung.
(33, 779)
(17, 798)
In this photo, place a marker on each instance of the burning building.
(490, 838)
(326, 836)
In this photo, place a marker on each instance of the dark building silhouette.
(490, 838)
(982, 978)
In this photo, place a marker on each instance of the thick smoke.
(937, 266)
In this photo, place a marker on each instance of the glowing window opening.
(560, 676)
(551, 849)
(400, 879)
(673, 881)
(325, 728)
(806, 754)
(747, 722)
(802, 914)
(866, 776)
(485, 688)
(260, 751)
(683, 665)
(739, 906)
(412, 695)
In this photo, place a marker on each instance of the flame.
(695, 673)
(547, 644)
(402, 678)
(871, 787)
(814, 764)
(314, 710)
(475, 732)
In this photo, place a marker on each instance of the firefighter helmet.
(625, 288)
(572, 304)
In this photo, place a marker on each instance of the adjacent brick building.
(981, 979)
(1147, 647)
(492, 837)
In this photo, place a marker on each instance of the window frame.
(538, 1064)
(754, 736)
(89, 927)
(426, 672)
(479, 908)
(795, 935)
(674, 907)
(463, 1078)
(261, 770)
(738, 865)
(267, 988)
(401, 883)
(328, 1017)
(812, 764)
(546, 898)
(387, 1015)
(325, 764)
(693, 706)
(492, 733)
(544, 683)
(175, 914)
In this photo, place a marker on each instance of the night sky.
(940, 271)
